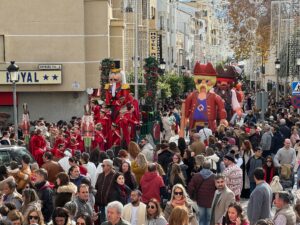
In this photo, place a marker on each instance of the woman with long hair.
(176, 176)
(34, 216)
(65, 190)
(179, 216)
(178, 160)
(130, 179)
(139, 166)
(246, 153)
(212, 157)
(154, 213)
(270, 170)
(30, 201)
(60, 216)
(133, 150)
(84, 219)
(235, 215)
(119, 190)
(179, 197)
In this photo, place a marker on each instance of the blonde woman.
(180, 198)
(139, 166)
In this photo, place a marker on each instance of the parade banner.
(33, 77)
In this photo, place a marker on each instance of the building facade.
(71, 36)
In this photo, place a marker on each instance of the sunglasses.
(103, 165)
(33, 217)
(113, 79)
(178, 193)
(150, 206)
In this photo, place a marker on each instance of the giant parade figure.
(226, 80)
(124, 108)
(203, 105)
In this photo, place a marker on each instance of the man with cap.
(203, 105)
(233, 174)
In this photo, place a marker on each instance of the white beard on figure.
(113, 89)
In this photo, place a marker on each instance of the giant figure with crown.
(203, 105)
(124, 108)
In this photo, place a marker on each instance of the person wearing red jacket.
(58, 152)
(99, 140)
(152, 184)
(38, 146)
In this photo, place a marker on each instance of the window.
(161, 19)
(152, 13)
(2, 49)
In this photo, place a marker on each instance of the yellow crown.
(115, 70)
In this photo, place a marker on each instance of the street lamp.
(277, 67)
(13, 71)
(162, 65)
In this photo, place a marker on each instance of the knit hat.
(230, 156)
(231, 141)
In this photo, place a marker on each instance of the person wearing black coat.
(165, 157)
(120, 191)
(45, 193)
(65, 189)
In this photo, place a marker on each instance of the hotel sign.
(33, 77)
(153, 44)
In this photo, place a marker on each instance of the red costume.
(38, 147)
(203, 106)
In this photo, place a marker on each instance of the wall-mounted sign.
(153, 44)
(50, 66)
(33, 77)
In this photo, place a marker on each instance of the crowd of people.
(177, 182)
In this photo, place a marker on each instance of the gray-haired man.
(114, 213)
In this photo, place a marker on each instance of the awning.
(6, 98)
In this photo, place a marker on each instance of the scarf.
(180, 202)
(122, 190)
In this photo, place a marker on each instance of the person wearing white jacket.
(212, 157)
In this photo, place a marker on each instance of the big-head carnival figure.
(226, 80)
(204, 106)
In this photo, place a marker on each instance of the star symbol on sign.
(45, 77)
(54, 77)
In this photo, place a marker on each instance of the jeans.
(252, 186)
(204, 215)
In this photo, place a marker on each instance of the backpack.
(275, 184)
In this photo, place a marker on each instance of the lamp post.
(13, 71)
(277, 67)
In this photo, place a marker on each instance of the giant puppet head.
(116, 79)
(227, 77)
(204, 76)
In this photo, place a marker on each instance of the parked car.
(10, 153)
